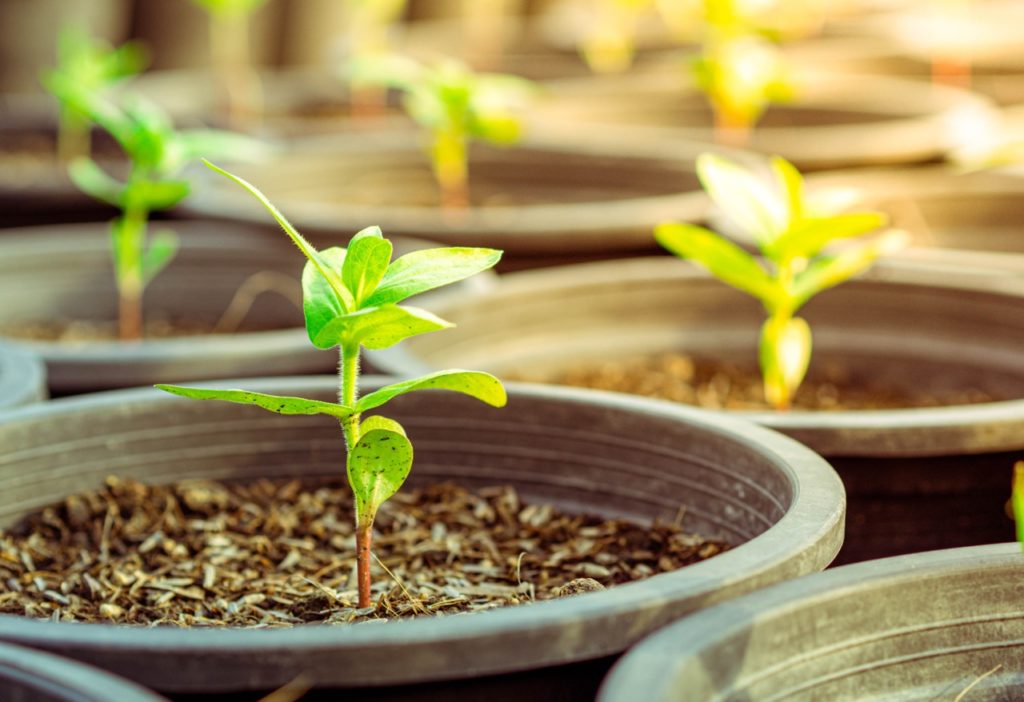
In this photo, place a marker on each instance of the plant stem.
(348, 394)
(129, 238)
(730, 129)
(451, 167)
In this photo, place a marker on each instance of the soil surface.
(717, 385)
(83, 331)
(282, 552)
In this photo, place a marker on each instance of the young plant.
(229, 55)
(367, 26)
(455, 106)
(609, 45)
(350, 299)
(792, 237)
(157, 154)
(85, 66)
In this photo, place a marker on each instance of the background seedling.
(610, 43)
(85, 66)
(350, 300)
(229, 55)
(157, 154)
(791, 236)
(368, 24)
(455, 106)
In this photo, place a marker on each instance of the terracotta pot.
(539, 199)
(836, 119)
(33, 676)
(917, 479)
(780, 505)
(924, 626)
(22, 377)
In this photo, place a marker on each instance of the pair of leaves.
(482, 386)
(350, 295)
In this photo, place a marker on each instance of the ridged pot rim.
(806, 537)
(909, 432)
(22, 376)
(68, 678)
(688, 637)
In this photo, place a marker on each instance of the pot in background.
(22, 377)
(917, 479)
(778, 503)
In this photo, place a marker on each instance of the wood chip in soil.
(718, 385)
(277, 553)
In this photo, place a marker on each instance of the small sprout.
(157, 154)
(85, 66)
(455, 106)
(791, 236)
(229, 55)
(609, 44)
(350, 300)
(368, 24)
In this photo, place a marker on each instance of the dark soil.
(278, 553)
(718, 385)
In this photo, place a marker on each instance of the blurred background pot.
(780, 505)
(917, 479)
(923, 626)
(22, 377)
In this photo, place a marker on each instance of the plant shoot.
(454, 106)
(351, 300)
(85, 66)
(792, 237)
(368, 24)
(610, 42)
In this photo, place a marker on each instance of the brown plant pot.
(836, 119)
(536, 200)
(918, 627)
(780, 505)
(917, 479)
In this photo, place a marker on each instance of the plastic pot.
(22, 377)
(33, 676)
(781, 505)
(917, 479)
(919, 627)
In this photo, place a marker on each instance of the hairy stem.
(348, 394)
(364, 537)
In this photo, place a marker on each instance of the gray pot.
(542, 199)
(22, 377)
(33, 676)
(835, 120)
(65, 271)
(919, 627)
(917, 479)
(781, 505)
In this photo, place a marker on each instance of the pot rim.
(688, 637)
(812, 519)
(22, 376)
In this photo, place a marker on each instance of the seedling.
(229, 55)
(609, 45)
(350, 299)
(367, 25)
(454, 106)
(791, 236)
(157, 153)
(85, 66)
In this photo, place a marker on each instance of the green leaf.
(792, 185)
(747, 199)
(378, 465)
(319, 303)
(162, 249)
(281, 404)
(159, 195)
(725, 260)
(333, 278)
(420, 271)
(378, 327)
(785, 352)
(810, 236)
(1017, 499)
(483, 386)
(828, 271)
(497, 129)
(92, 180)
(366, 262)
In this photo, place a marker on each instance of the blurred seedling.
(229, 22)
(792, 237)
(368, 26)
(455, 107)
(351, 300)
(157, 154)
(85, 66)
(610, 43)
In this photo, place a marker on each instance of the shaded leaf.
(725, 260)
(378, 464)
(368, 257)
(420, 271)
(320, 305)
(378, 327)
(281, 404)
(483, 386)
